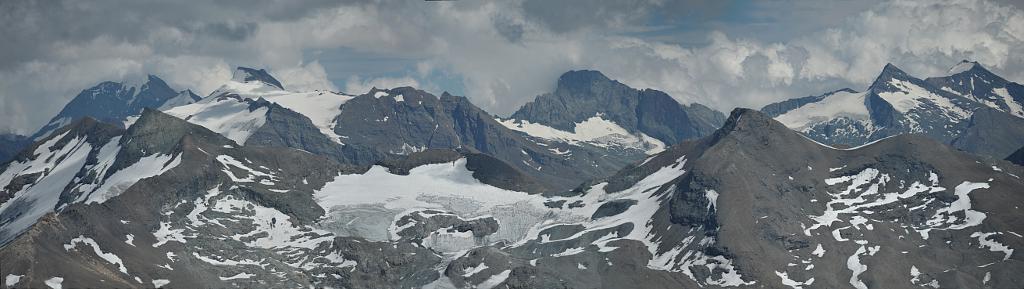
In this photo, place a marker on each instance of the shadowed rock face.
(111, 102)
(10, 145)
(1017, 157)
(990, 132)
(583, 94)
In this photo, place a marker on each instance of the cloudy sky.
(499, 54)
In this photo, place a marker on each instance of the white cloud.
(305, 77)
(504, 57)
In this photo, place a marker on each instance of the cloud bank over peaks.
(499, 54)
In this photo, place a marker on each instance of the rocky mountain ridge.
(950, 109)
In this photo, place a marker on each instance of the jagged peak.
(245, 74)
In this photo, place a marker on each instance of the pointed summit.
(245, 74)
(890, 71)
(884, 81)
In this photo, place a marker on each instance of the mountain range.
(971, 109)
(593, 185)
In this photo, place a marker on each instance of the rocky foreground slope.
(754, 205)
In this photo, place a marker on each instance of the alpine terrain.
(512, 144)
(972, 109)
(255, 186)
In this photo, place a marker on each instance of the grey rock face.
(580, 95)
(990, 132)
(286, 128)
(405, 120)
(485, 168)
(419, 225)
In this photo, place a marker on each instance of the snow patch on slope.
(595, 130)
(109, 257)
(230, 117)
(121, 180)
(378, 186)
(321, 107)
(57, 168)
(911, 97)
(840, 104)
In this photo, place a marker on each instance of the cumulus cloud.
(502, 54)
(923, 37)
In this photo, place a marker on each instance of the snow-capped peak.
(964, 65)
(247, 75)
